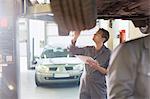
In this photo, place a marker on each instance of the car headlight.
(78, 67)
(42, 69)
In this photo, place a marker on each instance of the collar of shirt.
(100, 51)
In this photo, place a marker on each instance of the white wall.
(134, 32)
(54, 39)
(22, 29)
(37, 31)
(22, 24)
(119, 25)
(86, 36)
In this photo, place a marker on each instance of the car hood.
(62, 60)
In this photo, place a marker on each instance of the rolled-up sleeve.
(122, 74)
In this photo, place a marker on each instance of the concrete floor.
(28, 89)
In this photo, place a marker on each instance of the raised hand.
(76, 35)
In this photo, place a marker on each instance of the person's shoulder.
(133, 46)
(134, 43)
(135, 40)
(106, 48)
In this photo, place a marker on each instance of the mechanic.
(93, 82)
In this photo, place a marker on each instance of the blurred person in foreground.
(129, 72)
(93, 83)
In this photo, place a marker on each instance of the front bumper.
(47, 78)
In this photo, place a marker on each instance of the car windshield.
(54, 53)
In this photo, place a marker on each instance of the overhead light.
(51, 14)
(34, 2)
(42, 1)
(10, 87)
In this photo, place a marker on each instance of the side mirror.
(34, 62)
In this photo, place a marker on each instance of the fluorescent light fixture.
(51, 14)
(33, 1)
(10, 87)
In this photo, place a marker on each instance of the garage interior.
(36, 28)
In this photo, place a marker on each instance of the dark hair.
(105, 34)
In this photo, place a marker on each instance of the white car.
(57, 66)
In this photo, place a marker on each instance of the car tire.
(143, 24)
(36, 81)
(74, 15)
(145, 29)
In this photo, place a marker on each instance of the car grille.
(53, 68)
(69, 68)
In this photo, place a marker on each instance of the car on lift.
(78, 15)
(57, 66)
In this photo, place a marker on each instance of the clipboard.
(85, 58)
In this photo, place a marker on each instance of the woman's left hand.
(93, 64)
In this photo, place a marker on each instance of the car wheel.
(36, 81)
(143, 24)
(145, 29)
